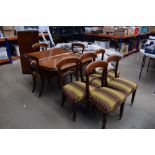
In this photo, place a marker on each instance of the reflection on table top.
(46, 53)
(51, 62)
(48, 59)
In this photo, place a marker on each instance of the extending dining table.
(47, 60)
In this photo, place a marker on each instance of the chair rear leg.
(63, 100)
(34, 84)
(104, 120)
(121, 110)
(133, 97)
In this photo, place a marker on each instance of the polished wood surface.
(46, 53)
(48, 59)
(50, 63)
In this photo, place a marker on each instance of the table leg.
(142, 66)
(148, 65)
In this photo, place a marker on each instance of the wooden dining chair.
(85, 59)
(113, 72)
(104, 98)
(122, 84)
(74, 92)
(100, 51)
(40, 46)
(34, 66)
(78, 45)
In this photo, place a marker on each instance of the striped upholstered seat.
(123, 85)
(76, 91)
(107, 99)
(111, 73)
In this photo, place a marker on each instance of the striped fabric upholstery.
(95, 80)
(92, 77)
(107, 99)
(123, 85)
(76, 91)
(111, 73)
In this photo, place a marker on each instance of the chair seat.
(107, 99)
(76, 91)
(123, 85)
(111, 73)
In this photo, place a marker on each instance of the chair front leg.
(133, 97)
(34, 84)
(121, 110)
(104, 120)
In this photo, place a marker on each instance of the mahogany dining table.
(46, 62)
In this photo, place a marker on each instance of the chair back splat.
(100, 51)
(91, 67)
(116, 59)
(65, 65)
(82, 46)
(85, 59)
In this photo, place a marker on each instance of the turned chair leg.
(34, 84)
(104, 121)
(121, 110)
(42, 87)
(74, 112)
(133, 97)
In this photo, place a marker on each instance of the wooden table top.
(51, 62)
(46, 53)
(48, 59)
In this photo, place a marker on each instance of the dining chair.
(105, 99)
(75, 91)
(122, 84)
(100, 52)
(34, 66)
(118, 83)
(40, 46)
(112, 72)
(85, 59)
(78, 46)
